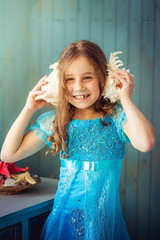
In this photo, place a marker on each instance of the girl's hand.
(126, 84)
(33, 104)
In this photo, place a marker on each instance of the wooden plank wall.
(33, 34)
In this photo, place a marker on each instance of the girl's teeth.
(80, 97)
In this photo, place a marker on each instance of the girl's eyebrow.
(68, 75)
(92, 73)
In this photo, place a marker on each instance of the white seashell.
(9, 182)
(111, 90)
(51, 88)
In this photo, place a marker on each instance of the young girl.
(90, 132)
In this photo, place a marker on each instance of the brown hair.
(64, 110)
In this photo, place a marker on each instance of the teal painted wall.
(33, 34)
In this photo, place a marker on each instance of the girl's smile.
(82, 84)
(81, 97)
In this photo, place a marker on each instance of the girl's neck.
(85, 114)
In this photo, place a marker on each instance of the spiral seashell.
(112, 87)
(51, 89)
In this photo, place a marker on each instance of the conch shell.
(51, 88)
(112, 87)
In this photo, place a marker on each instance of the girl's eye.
(69, 79)
(88, 77)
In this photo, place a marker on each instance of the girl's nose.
(78, 85)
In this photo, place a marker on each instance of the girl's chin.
(82, 106)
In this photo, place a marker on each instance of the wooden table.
(22, 215)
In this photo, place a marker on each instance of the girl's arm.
(17, 146)
(137, 127)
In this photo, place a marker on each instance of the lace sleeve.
(119, 119)
(44, 126)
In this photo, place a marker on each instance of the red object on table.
(8, 168)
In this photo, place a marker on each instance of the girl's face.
(82, 84)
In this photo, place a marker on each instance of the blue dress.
(87, 204)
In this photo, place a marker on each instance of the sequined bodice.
(90, 140)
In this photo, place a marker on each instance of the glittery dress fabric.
(87, 203)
